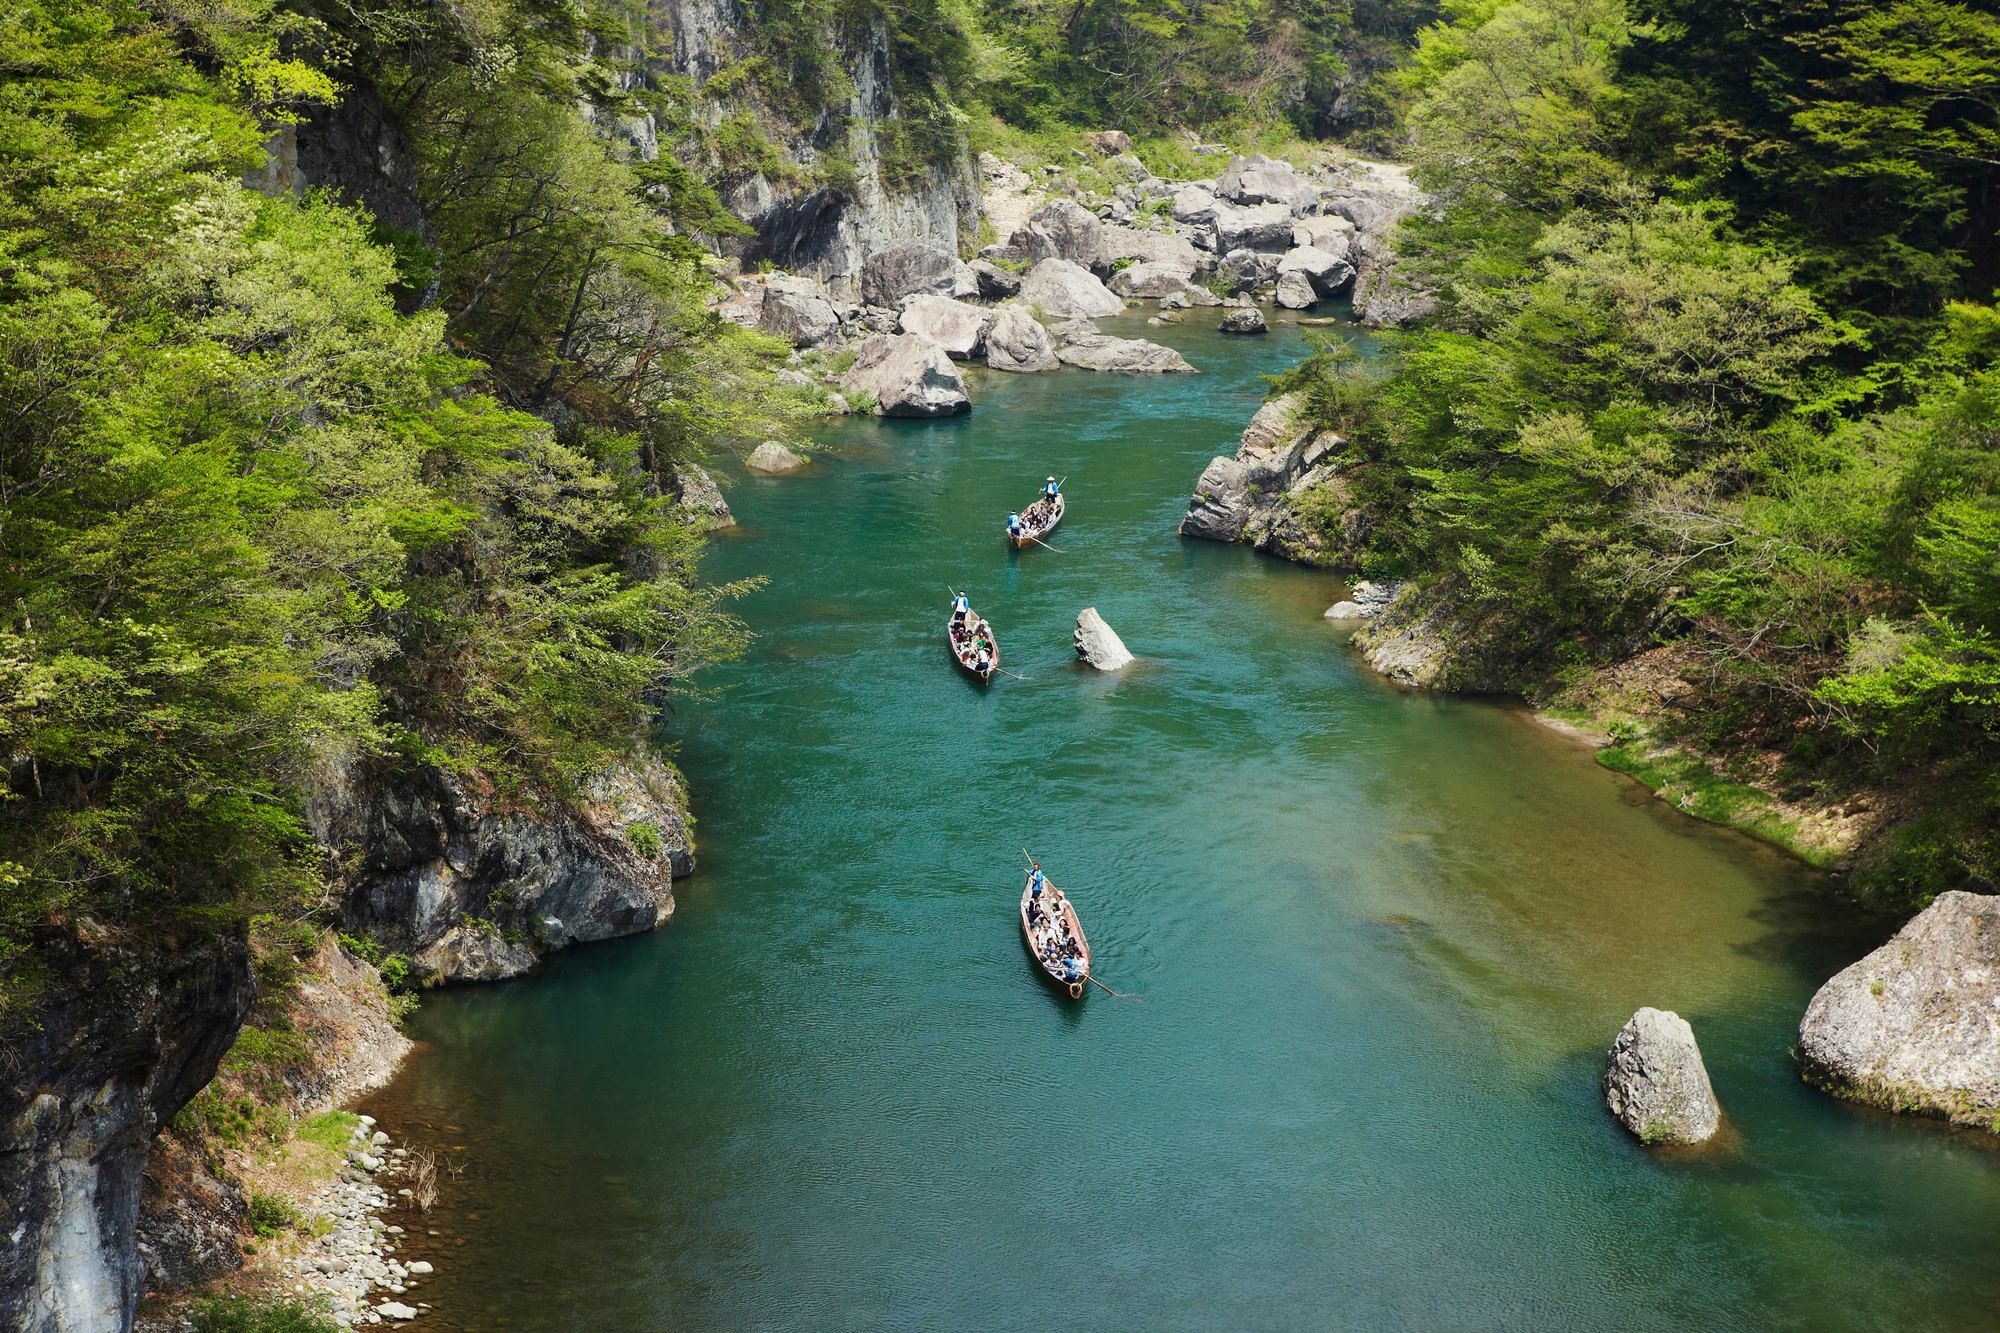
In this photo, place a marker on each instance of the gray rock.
(1295, 291)
(1366, 601)
(1328, 272)
(957, 327)
(773, 459)
(1915, 1026)
(1221, 505)
(1151, 281)
(1109, 143)
(1130, 356)
(395, 1310)
(1145, 247)
(1194, 206)
(909, 270)
(1259, 227)
(995, 283)
(1385, 296)
(1016, 342)
(1244, 319)
(1064, 229)
(699, 499)
(796, 309)
(1335, 235)
(1264, 180)
(908, 376)
(1655, 1083)
(1247, 270)
(1061, 289)
(1097, 645)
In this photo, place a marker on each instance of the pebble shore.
(354, 1270)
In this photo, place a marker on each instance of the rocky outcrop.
(1263, 180)
(796, 309)
(1295, 291)
(956, 326)
(1365, 601)
(1097, 646)
(1062, 289)
(476, 887)
(1259, 227)
(1064, 229)
(773, 459)
(1656, 1084)
(907, 376)
(125, 1030)
(1915, 1026)
(699, 499)
(1017, 342)
(1261, 495)
(1153, 281)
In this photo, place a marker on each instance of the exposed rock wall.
(1264, 496)
(811, 225)
(128, 1031)
(476, 888)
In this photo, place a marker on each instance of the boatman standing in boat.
(1013, 525)
(960, 604)
(1050, 490)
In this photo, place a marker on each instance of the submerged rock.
(1915, 1026)
(1656, 1084)
(907, 375)
(1097, 645)
(1247, 319)
(1017, 342)
(773, 458)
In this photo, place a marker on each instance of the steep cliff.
(839, 189)
(128, 1028)
(477, 887)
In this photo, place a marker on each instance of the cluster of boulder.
(1262, 230)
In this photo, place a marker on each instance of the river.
(1380, 942)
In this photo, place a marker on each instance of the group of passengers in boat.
(971, 636)
(1048, 927)
(1037, 513)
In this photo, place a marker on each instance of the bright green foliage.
(254, 516)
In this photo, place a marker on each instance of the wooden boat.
(1071, 982)
(964, 651)
(1038, 520)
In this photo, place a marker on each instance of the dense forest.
(1714, 367)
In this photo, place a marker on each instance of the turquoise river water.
(1380, 941)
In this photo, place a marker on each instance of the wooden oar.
(1039, 542)
(1005, 672)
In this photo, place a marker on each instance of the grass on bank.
(1693, 787)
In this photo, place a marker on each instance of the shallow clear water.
(1381, 942)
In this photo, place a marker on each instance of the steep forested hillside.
(1714, 368)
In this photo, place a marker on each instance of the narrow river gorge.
(1380, 942)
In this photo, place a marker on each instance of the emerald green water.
(1381, 942)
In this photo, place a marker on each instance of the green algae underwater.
(1380, 942)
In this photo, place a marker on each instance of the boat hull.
(1032, 535)
(1074, 987)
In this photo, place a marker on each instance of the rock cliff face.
(128, 1031)
(816, 225)
(474, 888)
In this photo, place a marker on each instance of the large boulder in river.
(1061, 289)
(1016, 342)
(773, 459)
(1915, 1026)
(888, 276)
(1130, 245)
(1656, 1084)
(1265, 180)
(1248, 270)
(1152, 281)
(907, 375)
(1130, 356)
(1221, 505)
(957, 327)
(1064, 229)
(796, 309)
(1097, 645)
(1262, 227)
(1245, 319)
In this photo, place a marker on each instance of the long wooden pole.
(1108, 991)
